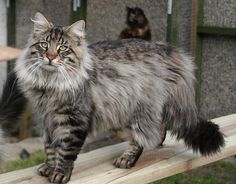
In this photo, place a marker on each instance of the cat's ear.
(41, 24)
(77, 29)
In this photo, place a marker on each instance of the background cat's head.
(136, 17)
(54, 53)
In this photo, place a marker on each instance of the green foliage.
(35, 159)
(220, 172)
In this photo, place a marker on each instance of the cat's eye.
(62, 48)
(44, 45)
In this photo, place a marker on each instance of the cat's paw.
(60, 177)
(45, 170)
(125, 161)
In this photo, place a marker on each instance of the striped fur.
(113, 84)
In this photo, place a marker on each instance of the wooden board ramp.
(95, 167)
(8, 53)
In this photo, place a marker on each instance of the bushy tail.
(204, 137)
(180, 112)
(201, 135)
(12, 103)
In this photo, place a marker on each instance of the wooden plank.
(8, 53)
(218, 31)
(96, 166)
(25, 129)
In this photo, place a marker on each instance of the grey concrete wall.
(218, 84)
(3, 40)
(218, 89)
(106, 18)
(57, 11)
(220, 13)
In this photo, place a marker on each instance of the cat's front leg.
(70, 139)
(47, 168)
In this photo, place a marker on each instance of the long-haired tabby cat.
(77, 89)
(137, 25)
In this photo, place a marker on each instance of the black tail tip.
(206, 138)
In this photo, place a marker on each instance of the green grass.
(221, 172)
(35, 159)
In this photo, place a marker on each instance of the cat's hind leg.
(147, 131)
(129, 157)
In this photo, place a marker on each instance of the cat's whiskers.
(38, 58)
(39, 64)
(25, 64)
(32, 66)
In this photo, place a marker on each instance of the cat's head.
(135, 17)
(54, 53)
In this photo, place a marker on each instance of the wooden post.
(26, 123)
(198, 51)
(194, 28)
(11, 29)
(172, 25)
(80, 13)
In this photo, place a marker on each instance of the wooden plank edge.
(183, 162)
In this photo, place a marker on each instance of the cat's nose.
(51, 55)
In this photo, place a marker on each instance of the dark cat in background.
(137, 25)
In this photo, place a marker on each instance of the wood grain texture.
(96, 166)
(8, 53)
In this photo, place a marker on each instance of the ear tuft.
(77, 28)
(41, 24)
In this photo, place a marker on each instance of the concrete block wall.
(218, 79)
(106, 18)
(218, 83)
